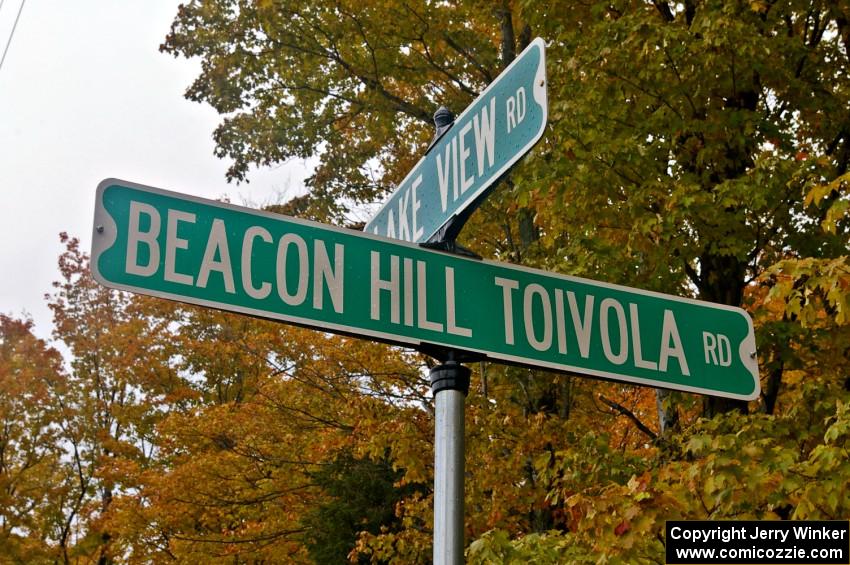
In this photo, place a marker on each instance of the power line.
(11, 33)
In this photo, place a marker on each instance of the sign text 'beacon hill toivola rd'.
(214, 254)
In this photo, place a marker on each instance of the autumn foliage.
(695, 148)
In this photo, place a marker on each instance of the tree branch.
(630, 415)
(488, 77)
(664, 9)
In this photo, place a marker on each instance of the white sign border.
(105, 233)
(540, 96)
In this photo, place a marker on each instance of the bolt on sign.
(214, 254)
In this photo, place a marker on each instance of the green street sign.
(491, 134)
(218, 255)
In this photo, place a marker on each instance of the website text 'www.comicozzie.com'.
(749, 541)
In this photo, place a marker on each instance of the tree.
(30, 376)
(358, 496)
(240, 477)
(331, 78)
(114, 394)
(694, 148)
(184, 433)
(698, 128)
(690, 125)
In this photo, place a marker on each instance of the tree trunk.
(722, 280)
(668, 413)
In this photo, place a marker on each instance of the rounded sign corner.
(104, 230)
(106, 183)
(756, 394)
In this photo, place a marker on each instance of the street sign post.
(237, 259)
(495, 131)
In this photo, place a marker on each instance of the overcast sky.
(85, 95)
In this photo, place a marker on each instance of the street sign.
(495, 131)
(237, 259)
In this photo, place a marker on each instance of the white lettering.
(621, 356)
(635, 325)
(451, 311)
(303, 273)
(485, 136)
(507, 286)
(545, 342)
(265, 288)
(670, 332)
(217, 245)
(520, 104)
(173, 243)
(391, 225)
(135, 236)
(454, 168)
(408, 292)
(403, 225)
(418, 231)
(515, 108)
(333, 278)
(725, 350)
(377, 284)
(560, 322)
(443, 177)
(709, 343)
(422, 300)
(465, 182)
(582, 327)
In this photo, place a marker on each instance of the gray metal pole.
(449, 384)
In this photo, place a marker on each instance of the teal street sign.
(332, 279)
(495, 131)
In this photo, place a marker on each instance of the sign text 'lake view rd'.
(486, 140)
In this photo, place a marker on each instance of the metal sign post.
(450, 385)
(435, 297)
